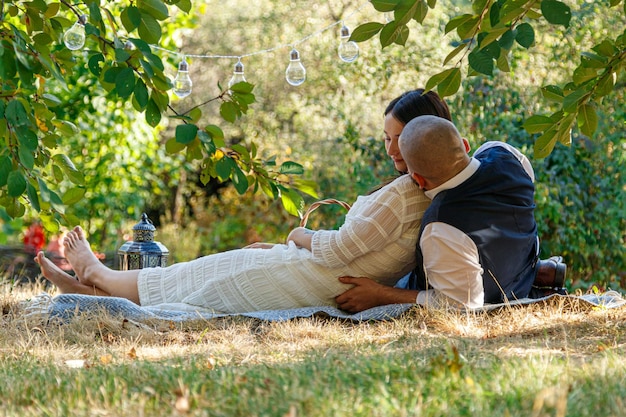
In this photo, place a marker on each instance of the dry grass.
(561, 331)
(562, 328)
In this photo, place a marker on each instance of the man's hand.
(368, 293)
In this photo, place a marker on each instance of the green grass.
(550, 360)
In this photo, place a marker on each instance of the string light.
(182, 82)
(295, 72)
(348, 50)
(74, 37)
(237, 74)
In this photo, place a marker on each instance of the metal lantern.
(142, 251)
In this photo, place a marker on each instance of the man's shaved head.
(433, 148)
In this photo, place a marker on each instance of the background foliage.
(331, 125)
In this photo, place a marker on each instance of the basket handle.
(315, 205)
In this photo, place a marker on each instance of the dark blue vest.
(494, 207)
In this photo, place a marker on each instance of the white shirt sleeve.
(452, 267)
(380, 220)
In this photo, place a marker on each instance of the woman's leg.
(66, 283)
(91, 272)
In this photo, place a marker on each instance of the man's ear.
(418, 179)
(467, 145)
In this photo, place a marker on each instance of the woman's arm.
(301, 237)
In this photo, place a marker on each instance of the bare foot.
(79, 253)
(66, 283)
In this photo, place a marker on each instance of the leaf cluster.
(486, 37)
(120, 57)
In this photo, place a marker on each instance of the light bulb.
(295, 73)
(389, 16)
(237, 75)
(348, 50)
(74, 37)
(182, 82)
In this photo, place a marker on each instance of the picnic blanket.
(64, 307)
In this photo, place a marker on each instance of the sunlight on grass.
(538, 360)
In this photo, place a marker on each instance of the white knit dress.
(377, 241)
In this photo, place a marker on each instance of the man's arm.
(368, 293)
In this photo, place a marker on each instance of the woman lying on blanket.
(377, 240)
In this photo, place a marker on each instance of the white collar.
(457, 180)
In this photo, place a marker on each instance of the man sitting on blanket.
(478, 240)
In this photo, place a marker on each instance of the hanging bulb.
(182, 82)
(348, 50)
(389, 16)
(74, 37)
(237, 74)
(295, 73)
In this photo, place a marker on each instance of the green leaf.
(289, 167)
(450, 84)
(153, 114)
(6, 166)
(186, 133)
(502, 62)
(216, 133)
(390, 33)
(16, 113)
(457, 21)
(94, 64)
(292, 201)
(552, 93)
(184, 5)
(33, 197)
(73, 196)
(224, 167)
(512, 9)
(455, 52)
(306, 186)
(172, 146)
(229, 111)
(149, 29)
(125, 82)
(15, 209)
(242, 151)
(587, 119)
(606, 47)
(582, 74)
(131, 18)
(605, 84)
(240, 181)
(538, 123)
(573, 100)
(481, 61)
(406, 10)
(492, 35)
(466, 29)
(26, 158)
(74, 175)
(384, 5)
(447, 81)
(141, 94)
(16, 184)
(121, 55)
(545, 143)
(27, 138)
(556, 12)
(155, 8)
(525, 35)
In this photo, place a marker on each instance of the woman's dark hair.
(417, 103)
